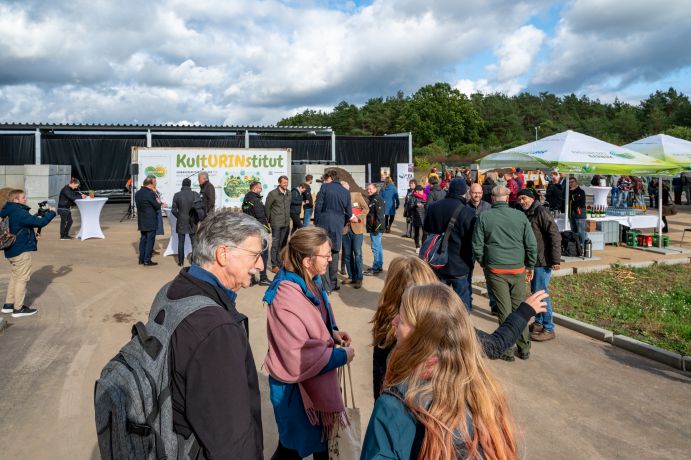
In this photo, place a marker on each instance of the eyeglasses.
(256, 255)
(322, 255)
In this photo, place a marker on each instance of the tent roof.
(576, 153)
(667, 148)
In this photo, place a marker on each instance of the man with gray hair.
(504, 245)
(213, 378)
(207, 191)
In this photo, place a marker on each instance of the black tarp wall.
(101, 162)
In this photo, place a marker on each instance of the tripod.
(131, 212)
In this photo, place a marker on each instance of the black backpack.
(571, 245)
(197, 212)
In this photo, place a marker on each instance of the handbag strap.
(452, 223)
(345, 383)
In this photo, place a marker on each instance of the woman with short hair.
(440, 400)
(302, 357)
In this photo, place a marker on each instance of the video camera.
(43, 207)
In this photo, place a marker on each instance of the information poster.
(230, 170)
(404, 174)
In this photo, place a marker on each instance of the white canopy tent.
(575, 153)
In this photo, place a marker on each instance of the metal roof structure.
(53, 127)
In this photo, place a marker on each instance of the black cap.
(527, 192)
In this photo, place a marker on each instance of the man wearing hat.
(460, 265)
(504, 245)
(548, 241)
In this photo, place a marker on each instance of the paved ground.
(575, 398)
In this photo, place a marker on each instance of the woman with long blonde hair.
(440, 399)
(406, 271)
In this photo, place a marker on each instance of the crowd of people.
(435, 395)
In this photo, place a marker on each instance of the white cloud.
(601, 41)
(517, 51)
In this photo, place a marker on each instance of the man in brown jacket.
(353, 234)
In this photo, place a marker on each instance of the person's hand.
(528, 275)
(342, 338)
(556, 267)
(52, 208)
(350, 352)
(537, 301)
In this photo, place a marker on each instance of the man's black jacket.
(214, 384)
(254, 206)
(295, 202)
(555, 196)
(461, 240)
(67, 197)
(547, 235)
(307, 196)
(208, 193)
(147, 209)
(375, 216)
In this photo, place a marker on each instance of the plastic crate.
(611, 232)
(632, 238)
(665, 241)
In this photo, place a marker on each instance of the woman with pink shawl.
(303, 358)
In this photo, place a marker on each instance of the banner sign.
(230, 170)
(404, 174)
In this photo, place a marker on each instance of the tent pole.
(659, 212)
(567, 221)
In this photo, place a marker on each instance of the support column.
(333, 146)
(410, 147)
(37, 147)
(148, 138)
(247, 139)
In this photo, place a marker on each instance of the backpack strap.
(452, 223)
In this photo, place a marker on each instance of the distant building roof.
(154, 127)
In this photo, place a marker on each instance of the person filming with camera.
(68, 196)
(21, 226)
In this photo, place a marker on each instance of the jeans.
(462, 287)
(417, 230)
(146, 245)
(377, 251)
(181, 247)
(306, 218)
(578, 226)
(623, 195)
(332, 272)
(352, 248)
(65, 222)
(297, 223)
(509, 291)
(615, 195)
(279, 238)
(265, 260)
(540, 282)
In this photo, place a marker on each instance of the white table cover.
(172, 248)
(645, 221)
(90, 211)
(599, 195)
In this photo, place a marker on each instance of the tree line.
(448, 125)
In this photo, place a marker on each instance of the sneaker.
(265, 282)
(508, 358)
(542, 336)
(535, 327)
(150, 264)
(8, 308)
(357, 284)
(373, 272)
(24, 311)
(65, 238)
(522, 355)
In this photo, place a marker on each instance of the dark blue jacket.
(390, 196)
(22, 225)
(332, 210)
(461, 240)
(148, 209)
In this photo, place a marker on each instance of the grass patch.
(651, 304)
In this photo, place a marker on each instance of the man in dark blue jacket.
(22, 225)
(458, 271)
(332, 211)
(148, 208)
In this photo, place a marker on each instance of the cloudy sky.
(245, 62)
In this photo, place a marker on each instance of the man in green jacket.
(278, 211)
(504, 245)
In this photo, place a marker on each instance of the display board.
(404, 174)
(230, 170)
